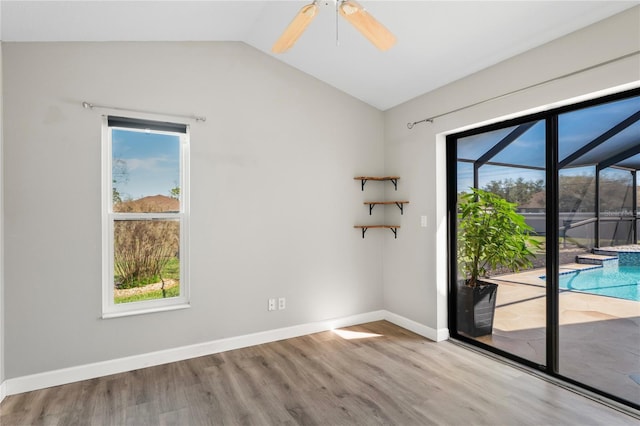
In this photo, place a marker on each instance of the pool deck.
(599, 335)
(629, 248)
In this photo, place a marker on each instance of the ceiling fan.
(353, 12)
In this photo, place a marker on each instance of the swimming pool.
(622, 282)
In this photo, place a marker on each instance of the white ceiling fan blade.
(295, 28)
(368, 26)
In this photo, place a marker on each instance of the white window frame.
(109, 308)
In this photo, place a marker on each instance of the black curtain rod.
(430, 119)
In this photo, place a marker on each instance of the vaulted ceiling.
(438, 41)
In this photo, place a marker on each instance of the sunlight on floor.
(350, 335)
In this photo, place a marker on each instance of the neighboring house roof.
(152, 203)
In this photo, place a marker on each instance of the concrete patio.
(599, 335)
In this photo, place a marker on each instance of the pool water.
(622, 282)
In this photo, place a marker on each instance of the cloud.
(152, 164)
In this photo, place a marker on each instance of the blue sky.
(490, 173)
(576, 129)
(152, 163)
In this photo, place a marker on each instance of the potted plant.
(491, 236)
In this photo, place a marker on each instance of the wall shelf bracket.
(363, 182)
(392, 179)
(400, 204)
(364, 228)
(395, 232)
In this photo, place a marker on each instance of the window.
(145, 216)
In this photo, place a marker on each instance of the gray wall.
(1, 225)
(273, 199)
(415, 266)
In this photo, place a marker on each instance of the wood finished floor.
(395, 378)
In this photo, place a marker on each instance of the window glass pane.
(515, 145)
(578, 128)
(489, 241)
(525, 150)
(146, 260)
(145, 171)
(616, 144)
(576, 206)
(577, 192)
(616, 189)
(465, 176)
(632, 163)
(597, 305)
(473, 147)
(513, 183)
(616, 207)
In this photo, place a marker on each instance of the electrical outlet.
(282, 303)
(272, 304)
(423, 221)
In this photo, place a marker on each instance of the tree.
(578, 192)
(516, 191)
(175, 191)
(119, 176)
(116, 195)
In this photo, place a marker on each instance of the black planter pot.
(476, 308)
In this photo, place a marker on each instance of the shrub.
(142, 248)
(491, 234)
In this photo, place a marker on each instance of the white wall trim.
(120, 365)
(421, 329)
(89, 371)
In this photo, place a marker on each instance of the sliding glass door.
(509, 163)
(598, 293)
(566, 258)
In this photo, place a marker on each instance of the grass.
(150, 295)
(170, 271)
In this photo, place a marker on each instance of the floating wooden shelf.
(364, 179)
(400, 204)
(371, 204)
(394, 228)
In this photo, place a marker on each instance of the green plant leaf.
(491, 234)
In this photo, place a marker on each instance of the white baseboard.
(421, 329)
(89, 371)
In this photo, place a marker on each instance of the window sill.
(150, 310)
